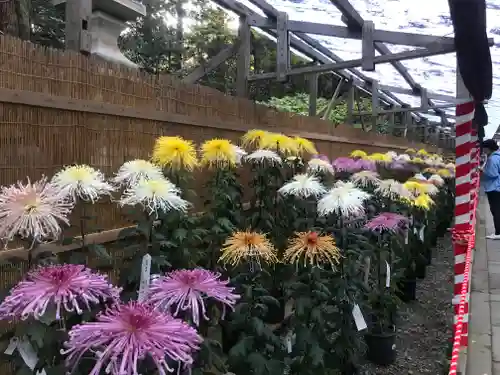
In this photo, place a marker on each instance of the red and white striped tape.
(464, 212)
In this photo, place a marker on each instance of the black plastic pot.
(381, 348)
(420, 269)
(407, 290)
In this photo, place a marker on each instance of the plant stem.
(82, 224)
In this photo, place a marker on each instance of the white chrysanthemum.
(82, 181)
(436, 180)
(295, 160)
(365, 178)
(262, 156)
(403, 157)
(154, 195)
(303, 186)
(240, 154)
(431, 189)
(131, 172)
(317, 165)
(392, 154)
(420, 177)
(343, 199)
(392, 189)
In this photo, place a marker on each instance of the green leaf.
(67, 241)
(269, 300)
(258, 362)
(316, 355)
(242, 347)
(49, 316)
(99, 251)
(180, 234)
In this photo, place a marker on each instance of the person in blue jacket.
(490, 180)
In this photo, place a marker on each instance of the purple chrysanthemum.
(182, 290)
(364, 165)
(321, 157)
(64, 286)
(344, 164)
(387, 221)
(127, 334)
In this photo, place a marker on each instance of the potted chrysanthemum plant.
(222, 209)
(310, 327)
(251, 343)
(343, 206)
(381, 335)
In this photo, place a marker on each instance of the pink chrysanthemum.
(126, 334)
(364, 165)
(183, 290)
(344, 164)
(32, 210)
(63, 286)
(387, 221)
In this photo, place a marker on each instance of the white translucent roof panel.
(431, 17)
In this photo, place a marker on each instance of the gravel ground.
(425, 325)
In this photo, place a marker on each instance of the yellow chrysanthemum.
(444, 173)
(305, 146)
(430, 170)
(410, 151)
(379, 157)
(417, 161)
(175, 153)
(359, 154)
(253, 137)
(415, 187)
(279, 142)
(218, 153)
(248, 246)
(423, 202)
(422, 152)
(313, 249)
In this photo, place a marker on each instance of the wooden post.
(350, 103)
(313, 94)
(282, 47)
(243, 60)
(375, 104)
(77, 36)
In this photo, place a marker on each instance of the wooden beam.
(243, 60)
(282, 47)
(202, 70)
(77, 36)
(375, 104)
(368, 47)
(406, 55)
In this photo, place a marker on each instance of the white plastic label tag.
(12, 346)
(145, 277)
(421, 233)
(388, 275)
(359, 319)
(29, 355)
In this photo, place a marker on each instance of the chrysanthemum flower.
(218, 153)
(295, 160)
(420, 177)
(430, 188)
(436, 180)
(343, 199)
(240, 154)
(415, 187)
(303, 186)
(378, 157)
(365, 178)
(131, 172)
(391, 154)
(264, 156)
(316, 165)
(450, 166)
(186, 290)
(322, 157)
(123, 336)
(445, 173)
(65, 287)
(364, 165)
(422, 152)
(154, 195)
(410, 151)
(175, 153)
(253, 137)
(392, 189)
(33, 210)
(280, 143)
(82, 181)
(400, 165)
(247, 247)
(358, 154)
(423, 201)
(430, 170)
(305, 146)
(417, 161)
(313, 249)
(403, 157)
(344, 164)
(386, 221)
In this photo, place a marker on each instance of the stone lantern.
(107, 21)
